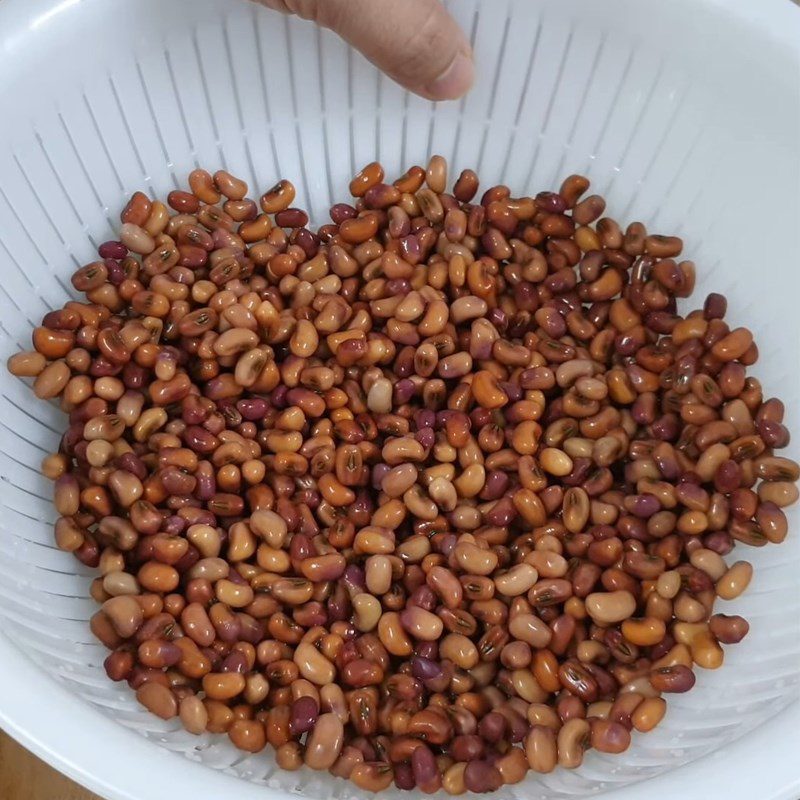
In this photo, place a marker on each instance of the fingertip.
(455, 81)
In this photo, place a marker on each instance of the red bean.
(481, 776)
(305, 711)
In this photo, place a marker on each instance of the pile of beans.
(435, 495)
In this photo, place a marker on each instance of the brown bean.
(223, 685)
(158, 700)
(233, 188)
(609, 737)
(677, 678)
(248, 735)
(728, 629)
(278, 197)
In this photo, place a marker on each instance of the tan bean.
(120, 583)
(223, 685)
(541, 749)
(576, 508)
(486, 390)
(292, 591)
(530, 507)
(136, 239)
(278, 198)
(325, 742)
(235, 595)
(460, 650)
(324, 568)
(51, 380)
(421, 624)
(398, 451)
(443, 493)
(648, 714)
(313, 665)
(206, 539)
(471, 481)
(572, 741)
(419, 504)
(706, 652)
(518, 580)
(668, 584)
(781, 493)
(374, 541)
(709, 561)
(547, 563)
(530, 629)
(197, 625)
(512, 766)
(688, 609)
(607, 608)
(54, 465)
(643, 632)
(555, 461)
(26, 365)
(289, 756)
(399, 480)
(193, 714)
(271, 527)
(475, 560)
(366, 611)
(393, 635)
(734, 581)
(378, 574)
(220, 716)
(125, 614)
(453, 779)
(379, 398)
(436, 174)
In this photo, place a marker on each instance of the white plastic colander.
(684, 113)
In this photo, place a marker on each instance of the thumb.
(415, 42)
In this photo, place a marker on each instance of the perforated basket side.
(675, 129)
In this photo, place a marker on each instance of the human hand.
(415, 42)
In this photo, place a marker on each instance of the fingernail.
(454, 81)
